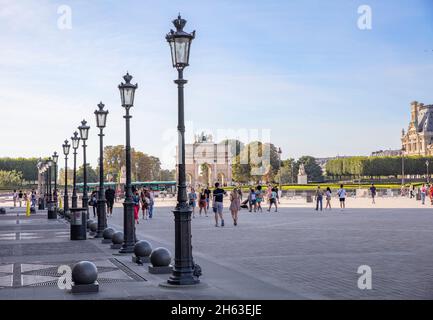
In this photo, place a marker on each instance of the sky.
(301, 73)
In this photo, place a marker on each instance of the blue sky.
(301, 69)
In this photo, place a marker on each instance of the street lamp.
(279, 170)
(101, 119)
(51, 211)
(75, 144)
(127, 94)
(183, 270)
(403, 149)
(84, 134)
(427, 164)
(66, 146)
(55, 157)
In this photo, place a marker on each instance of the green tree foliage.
(10, 178)
(92, 175)
(27, 166)
(235, 146)
(167, 175)
(377, 166)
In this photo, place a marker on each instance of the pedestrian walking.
(136, 201)
(203, 201)
(110, 194)
(217, 197)
(328, 194)
(192, 197)
(342, 196)
(93, 202)
(273, 200)
(144, 203)
(151, 202)
(259, 198)
(208, 193)
(15, 197)
(319, 198)
(235, 205)
(20, 198)
(373, 193)
(252, 200)
(423, 193)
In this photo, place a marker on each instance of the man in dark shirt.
(218, 196)
(373, 192)
(207, 193)
(109, 196)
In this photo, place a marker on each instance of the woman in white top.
(328, 198)
(342, 195)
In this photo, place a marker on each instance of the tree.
(312, 169)
(234, 147)
(92, 175)
(61, 176)
(10, 178)
(167, 175)
(27, 167)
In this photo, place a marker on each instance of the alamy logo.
(65, 280)
(365, 19)
(364, 281)
(64, 22)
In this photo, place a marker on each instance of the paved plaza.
(296, 253)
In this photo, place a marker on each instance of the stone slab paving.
(296, 253)
(314, 255)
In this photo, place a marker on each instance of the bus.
(166, 188)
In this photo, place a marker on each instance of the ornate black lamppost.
(180, 43)
(51, 210)
(279, 170)
(403, 150)
(55, 157)
(427, 164)
(66, 146)
(127, 94)
(101, 119)
(84, 134)
(75, 144)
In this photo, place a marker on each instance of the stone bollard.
(93, 229)
(142, 251)
(117, 240)
(84, 276)
(107, 235)
(89, 222)
(160, 259)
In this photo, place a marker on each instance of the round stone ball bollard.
(160, 259)
(84, 275)
(94, 226)
(117, 240)
(142, 251)
(89, 222)
(107, 235)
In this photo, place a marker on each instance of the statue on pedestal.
(302, 175)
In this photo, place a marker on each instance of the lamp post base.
(129, 228)
(52, 214)
(183, 269)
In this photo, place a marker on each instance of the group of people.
(327, 194)
(110, 195)
(144, 198)
(215, 199)
(20, 197)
